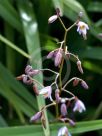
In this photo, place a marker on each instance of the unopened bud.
(36, 117)
(28, 69)
(80, 14)
(63, 109)
(79, 66)
(52, 19)
(84, 84)
(57, 96)
(71, 122)
(26, 80)
(50, 55)
(58, 58)
(75, 82)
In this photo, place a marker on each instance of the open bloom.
(46, 92)
(82, 28)
(63, 132)
(79, 106)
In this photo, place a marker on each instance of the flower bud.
(34, 72)
(52, 19)
(58, 98)
(36, 117)
(75, 82)
(28, 69)
(80, 14)
(19, 77)
(63, 109)
(50, 55)
(58, 58)
(26, 79)
(84, 84)
(71, 122)
(79, 66)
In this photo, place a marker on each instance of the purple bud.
(50, 55)
(79, 66)
(52, 19)
(36, 117)
(26, 80)
(84, 84)
(57, 96)
(71, 122)
(63, 109)
(28, 69)
(75, 82)
(58, 58)
(34, 72)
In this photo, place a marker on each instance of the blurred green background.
(25, 32)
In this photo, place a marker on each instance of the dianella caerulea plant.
(59, 55)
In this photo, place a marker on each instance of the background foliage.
(24, 29)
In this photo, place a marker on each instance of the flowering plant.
(59, 55)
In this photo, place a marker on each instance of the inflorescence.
(46, 91)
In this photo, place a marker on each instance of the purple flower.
(63, 132)
(30, 71)
(79, 106)
(36, 117)
(46, 92)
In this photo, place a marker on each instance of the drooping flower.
(82, 28)
(46, 92)
(56, 55)
(30, 71)
(36, 117)
(52, 19)
(79, 106)
(63, 107)
(57, 96)
(63, 131)
(26, 79)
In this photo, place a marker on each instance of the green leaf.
(80, 127)
(91, 52)
(9, 14)
(13, 46)
(3, 123)
(95, 6)
(93, 67)
(33, 44)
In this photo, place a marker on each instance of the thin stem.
(73, 55)
(61, 67)
(49, 105)
(36, 81)
(71, 26)
(70, 81)
(69, 92)
(46, 69)
(62, 23)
